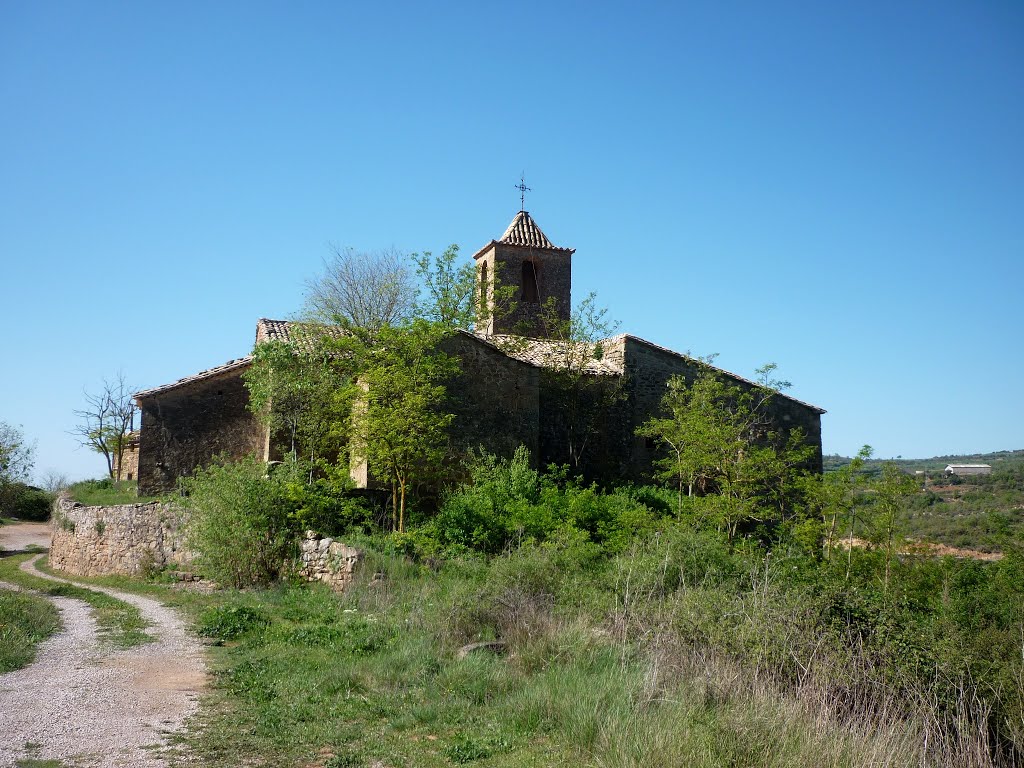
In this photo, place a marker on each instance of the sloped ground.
(88, 704)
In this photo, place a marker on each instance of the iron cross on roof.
(523, 189)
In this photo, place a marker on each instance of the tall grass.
(678, 652)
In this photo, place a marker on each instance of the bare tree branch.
(106, 422)
(363, 289)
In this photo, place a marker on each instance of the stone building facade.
(505, 396)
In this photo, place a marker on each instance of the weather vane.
(523, 189)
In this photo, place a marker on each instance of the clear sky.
(835, 187)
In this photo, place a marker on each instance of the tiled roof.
(209, 373)
(523, 231)
(549, 353)
(302, 335)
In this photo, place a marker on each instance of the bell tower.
(539, 274)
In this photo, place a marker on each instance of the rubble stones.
(324, 559)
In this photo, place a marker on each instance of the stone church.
(502, 399)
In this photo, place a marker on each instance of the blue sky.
(835, 187)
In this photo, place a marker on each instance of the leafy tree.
(833, 496)
(399, 421)
(107, 421)
(302, 391)
(449, 291)
(16, 455)
(889, 490)
(454, 296)
(721, 439)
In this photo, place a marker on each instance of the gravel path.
(97, 707)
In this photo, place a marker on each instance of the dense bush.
(507, 503)
(24, 502)
(245, 519)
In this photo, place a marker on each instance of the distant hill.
(998, 459)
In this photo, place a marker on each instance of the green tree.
(399, 421)
(449, 297)
(302, 391)
(453, 296)
(833, 496)
(720, 437)
(16, 455)
(889, 490)
(685, 431)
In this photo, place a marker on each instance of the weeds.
(25, 621)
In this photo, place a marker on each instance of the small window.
(483, 284)
(530, 282)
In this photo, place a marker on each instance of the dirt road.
(90, 705)
(17, 537)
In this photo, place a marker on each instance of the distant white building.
(968, 469)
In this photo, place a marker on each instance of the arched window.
(530, 292)
(483, 284)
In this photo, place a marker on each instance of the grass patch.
(106, 493)
(25, 621)
(120, 624)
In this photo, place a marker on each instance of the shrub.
(239, 523)
(245, 519)
(25, 502)
(507, 504)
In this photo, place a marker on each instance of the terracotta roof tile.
(524, 232)
(549, 353)
(302, 335)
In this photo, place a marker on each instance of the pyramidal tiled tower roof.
(524, 232)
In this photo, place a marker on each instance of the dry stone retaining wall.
(122, 539)
(324, 559)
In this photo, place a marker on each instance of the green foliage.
(25, 621)
(239, 522)
(507, 503)
(721, 441)
(450, 298)
(16, 455)
(25, 502)
(302, 392)
(244, 518)
(229, 622)
(400, 421)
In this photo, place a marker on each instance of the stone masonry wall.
(122, 539)
(321, 558)
(186, 427)
(648, 369)
(495, 399)
(553, 272)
